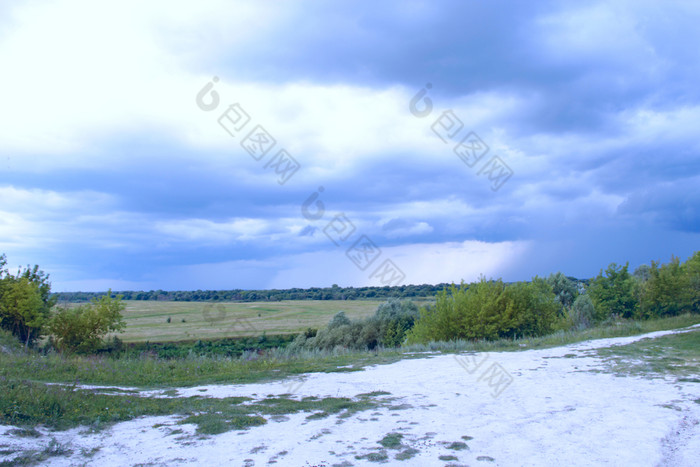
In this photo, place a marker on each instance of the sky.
(224, 144)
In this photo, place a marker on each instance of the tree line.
(239, 295)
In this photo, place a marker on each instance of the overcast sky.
(219, 144)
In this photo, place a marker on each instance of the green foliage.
(662, 294)
(21, 309)
(25, 302)
(387, 327)
(564, 289)
(669, 289)
(613, 293)
(581, 315)
(339, 320)
(82, 328)
(275, 295)
(691, 271)
(488, 310)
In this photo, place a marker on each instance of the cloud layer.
(112, 175)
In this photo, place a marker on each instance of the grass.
(391, 441)
(457, 446)
(676, 355)
(33, 457)
(26, 404)
(147, 320)
(148, 372)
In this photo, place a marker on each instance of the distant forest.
(274, 295)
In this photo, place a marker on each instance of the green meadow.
(148, 320)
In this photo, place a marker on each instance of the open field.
(147, 320)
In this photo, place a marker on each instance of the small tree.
(25, 302)
(582, 312)
(564, 289)
(613, 293)
(22, 310)
(82, 328)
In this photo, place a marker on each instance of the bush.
(564, 289)
(25, 302)
(670, 289)
(488, 310)
(82, 328)
(387, 327)
(582, 313)
(613, 293)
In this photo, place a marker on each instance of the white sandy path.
(555, 412)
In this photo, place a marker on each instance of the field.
(147, 320)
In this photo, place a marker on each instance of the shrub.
(582, 313)
(613, 293)
(82, 328)
(387, 327)
(25, 302)
(488, 310)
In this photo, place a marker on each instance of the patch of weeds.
(54, 448)
(169, 393)
(467, 438)
(406, 454)
(672, 354)
(25, 432)
(30, 457)
(457, 446)
(391, 440)
(448, 458)
(485, 458)
(379, 456)
(215, 423)
(697, 401)
(177, 431)
(258, 449)
(89, 452)
(343, 464)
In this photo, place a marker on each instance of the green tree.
(82, 328)
(691, 273)
(25, 301)
(564, 289)
(613, 293)
(22, 309)
(665, 292)
(582, 313)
